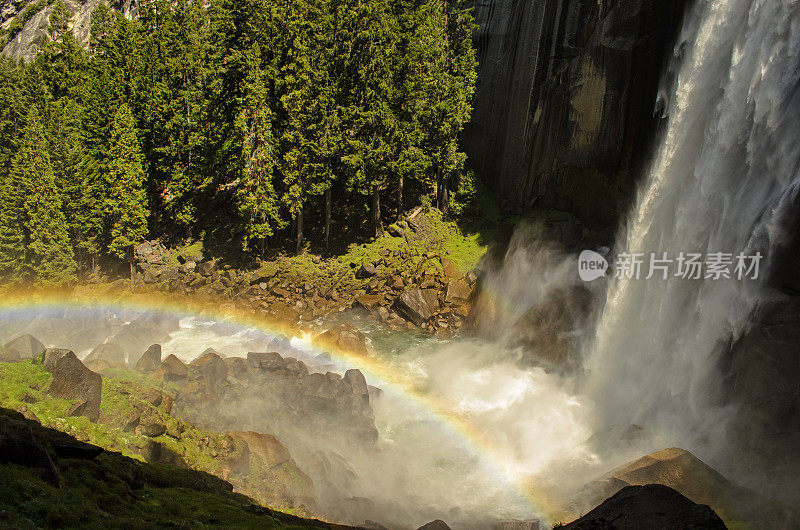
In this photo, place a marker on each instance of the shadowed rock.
(150, 359)
(73, 381)
(690, 476)
(18, 446)
(25, 347)
(438, 524)
(171, 369)
(652, 506)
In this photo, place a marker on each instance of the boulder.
(649, 506)
(265, 360)
(395, 231)
(210, 366)
(207, 268)
(110, 352)
(682, 471)
(237, 366)
(171, 369)
(450, 270)
(7, 355)
(367, 270)
(345, 337)
(369, 301)
(458, 291)
(266, 446)
(438, 524)
(282, 313)
(548, 331)
(356, 381)
(151, 429)
(25, 347)
(73, 381)
(418, 305)
(150, 359)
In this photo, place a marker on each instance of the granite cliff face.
(566, 106)
(25, 43)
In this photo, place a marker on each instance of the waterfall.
(729, 153)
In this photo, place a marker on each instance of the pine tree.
(374, 123)
(34, 244)
(258, 201)
(127, 206)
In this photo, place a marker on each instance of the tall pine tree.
(34, 243)
(127, 204)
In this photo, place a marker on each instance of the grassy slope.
(94, 494)
(23, 387)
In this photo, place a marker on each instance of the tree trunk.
(439, 189)
(327, 220)
(299, 230)
(133, 270)
(263, 248)
(400, 199)
(445, 207)
(376, 211)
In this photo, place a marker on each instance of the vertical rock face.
(565, 109)
(27, 42)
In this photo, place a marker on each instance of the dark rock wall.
(565, 111)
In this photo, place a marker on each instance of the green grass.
(23, 387)
(100, 494)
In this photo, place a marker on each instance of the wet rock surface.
(651, 506)
(680, 470)
(564, 107)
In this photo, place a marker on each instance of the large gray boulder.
(25, 347)
(418, 305)
(73, 381)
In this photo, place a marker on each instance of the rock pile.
(267, 392)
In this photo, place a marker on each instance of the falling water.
(729, 154)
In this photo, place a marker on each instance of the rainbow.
(375, 370)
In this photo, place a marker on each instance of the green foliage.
(34, 244)
(127, 205)
(233, 120)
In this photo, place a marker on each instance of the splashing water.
(728, 155)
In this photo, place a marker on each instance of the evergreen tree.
(374, 123)
(34, 244)
(127, 205)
